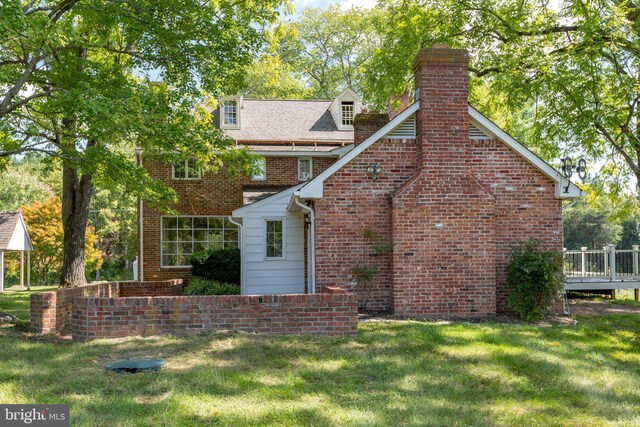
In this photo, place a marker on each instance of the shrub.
(200, 286)
(535, 278)
(220, 265)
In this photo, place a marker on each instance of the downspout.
(242, 260)
(141, 225)
(305, 208)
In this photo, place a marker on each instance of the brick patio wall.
(331, 313)
(50, 312)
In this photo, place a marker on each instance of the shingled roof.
(286, 121)
(9, 221)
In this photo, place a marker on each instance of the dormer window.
(230, 112)
(347, 109)
(344, 109)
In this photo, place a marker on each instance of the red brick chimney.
(366, 124)
(442, 126)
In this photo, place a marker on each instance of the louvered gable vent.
(405, 130)
(475, 133)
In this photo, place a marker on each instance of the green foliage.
(535, 277)
(21, 185)
(593, 226)
(572, 66)
(329, 49)
(200, 286)
(270, 78)
(221, 265)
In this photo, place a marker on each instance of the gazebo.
(14, 237)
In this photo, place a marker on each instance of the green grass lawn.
(394, 373)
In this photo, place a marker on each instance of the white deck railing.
(608, 264)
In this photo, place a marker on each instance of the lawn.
(394, 373)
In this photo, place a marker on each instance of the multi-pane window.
(186, 169)
(259, 170)
(274, 238)
(305, 171)
(230, 112)
(184, 235)
(348, 110)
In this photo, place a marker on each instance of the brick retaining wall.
(326, 314)
(51, 311)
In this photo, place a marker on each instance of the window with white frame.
(186, 169)
(305, 169)
(181, 236)
(347, 109)
(230, 112)
(259, 169)
(274, 238)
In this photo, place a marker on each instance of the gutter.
(312, 249)
(141, 225)
(242, 260)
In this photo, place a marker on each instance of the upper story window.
(305, 169)
(186, 169)
(347, 109)
(259, 170)
(230, 112)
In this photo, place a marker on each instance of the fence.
(608, 263)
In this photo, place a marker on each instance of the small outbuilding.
(14, 237)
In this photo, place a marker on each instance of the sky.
(323, 4)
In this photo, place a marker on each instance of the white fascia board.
(492, 129)
(241, 211)
(296, 153)
(314, 188)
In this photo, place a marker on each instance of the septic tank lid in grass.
(133, 366)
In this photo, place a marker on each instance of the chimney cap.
(441, 54)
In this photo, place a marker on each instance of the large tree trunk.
(76, 196)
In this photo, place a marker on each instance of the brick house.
(430, 201)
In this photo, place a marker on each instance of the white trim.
(238, 100)
(311, 253)
(491, 128)
(243, 272)
(314, 188)
(238, 213)
(141, 224)
(335, 108)
(310, 159)
(192, 229)
(283, 220)
(186, 171)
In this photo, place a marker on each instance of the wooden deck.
(600, 283)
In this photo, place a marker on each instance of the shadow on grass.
(394, 373)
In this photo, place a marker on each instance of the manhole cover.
(133, 366)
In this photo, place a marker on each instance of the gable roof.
(286, 121)
(13, 232)
(263, 202)
(314, 188)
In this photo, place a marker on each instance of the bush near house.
(217, 264)
(200, 286)
(535, 277)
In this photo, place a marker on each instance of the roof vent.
(476, 133)
(405, 130)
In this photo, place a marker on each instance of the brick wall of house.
(51, 312)
(353, 204)
(526, 206)
(213, 194)
(327, 314)
(444, 260)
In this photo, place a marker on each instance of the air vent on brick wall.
(405, 130)
(475, 133)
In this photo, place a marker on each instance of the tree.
(270, 78)
(74, 85)
(329, 49)
(577, 61)
(21, 185)
(44, 222)
(593, 227)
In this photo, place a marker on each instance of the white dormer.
(344, 108)
(230, 107)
